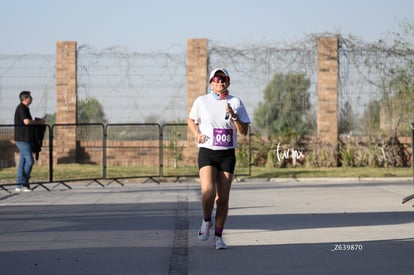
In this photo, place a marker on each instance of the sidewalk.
(284, 226)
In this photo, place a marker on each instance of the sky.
(34, 27)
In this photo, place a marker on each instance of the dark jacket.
(38, 135)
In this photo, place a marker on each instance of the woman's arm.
(241, 127)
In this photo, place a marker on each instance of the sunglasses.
(220, 78)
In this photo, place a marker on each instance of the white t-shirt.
(209, 113)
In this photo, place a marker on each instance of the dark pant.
(222, 160)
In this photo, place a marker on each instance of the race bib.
(223, 137)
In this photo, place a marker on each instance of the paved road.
(284, 226)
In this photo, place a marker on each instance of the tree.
(51, 119)
(371, 118)
(286, 100)
(347, 120)
(397, 101)
(90, 111)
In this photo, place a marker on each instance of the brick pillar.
(65, 146)
(328, 90)
(197, 57)
(197, 74)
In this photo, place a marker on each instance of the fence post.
(197, 57)
(328, 90)
(328, 75)
(197, 74)
(66, 83)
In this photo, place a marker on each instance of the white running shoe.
(18, 189)
(219, 243)
(204, 232)
(26, 189)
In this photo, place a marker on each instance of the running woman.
(215, 120)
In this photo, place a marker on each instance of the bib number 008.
(223, 137)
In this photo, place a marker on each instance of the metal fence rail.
(96, 153)
(133, 151)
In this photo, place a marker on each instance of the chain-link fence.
(375, 95)
(376, 91)
(253, 67)
(35, 73)
(151, 87)
(133, 87)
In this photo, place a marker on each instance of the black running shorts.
(222, 160)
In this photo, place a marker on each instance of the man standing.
(24, 137)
